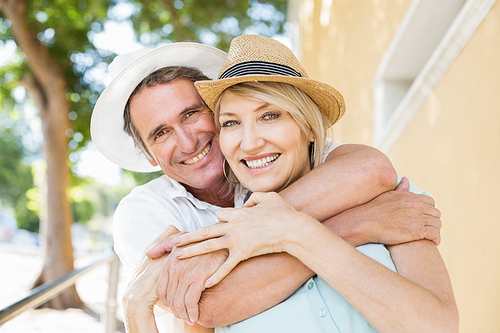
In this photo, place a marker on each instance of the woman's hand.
(259, 227)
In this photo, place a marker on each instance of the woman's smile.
(260, 162)
(263, 144)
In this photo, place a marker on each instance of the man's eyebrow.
(152, 134)
(192, 107)
(195, 106)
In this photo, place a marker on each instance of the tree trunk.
(48, 87)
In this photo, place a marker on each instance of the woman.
(271, 135)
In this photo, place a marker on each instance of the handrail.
(49, 290)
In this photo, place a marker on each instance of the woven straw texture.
(248, 48)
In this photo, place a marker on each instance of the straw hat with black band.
(254, 58)
(129, 70)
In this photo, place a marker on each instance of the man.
(154, 100)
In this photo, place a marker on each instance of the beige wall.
(451, 148)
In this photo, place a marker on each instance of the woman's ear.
(152, 162)
(311, 137)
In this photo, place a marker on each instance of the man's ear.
(152, 162)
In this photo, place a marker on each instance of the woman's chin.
(262, 187)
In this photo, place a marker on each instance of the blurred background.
(421, 80)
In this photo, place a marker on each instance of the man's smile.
(199, 156)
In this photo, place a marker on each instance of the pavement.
(19, 267)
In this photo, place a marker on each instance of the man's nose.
(186, 140)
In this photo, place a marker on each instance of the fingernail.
(179, 253)
(176, 241)
(208, 283)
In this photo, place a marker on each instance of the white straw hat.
(106, 126)
(253, 58)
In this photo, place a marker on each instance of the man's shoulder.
(161, 188)
(162, 183)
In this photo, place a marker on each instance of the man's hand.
(393, 217)
(182, 281)
(140, 295)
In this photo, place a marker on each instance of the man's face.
(178, 130)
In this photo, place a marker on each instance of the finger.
(201, 234)
(223, 271)
(434, 213)
(404, 185)
(172, 285)
(433, 234)
(169, 231)
(427, 198)
(433, 219)
(255, 199)
(179, 300)
(162, 247)
(161, 287)
(224, 214)
(193, 296)
(206, 246)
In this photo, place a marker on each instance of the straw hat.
(129, 70)
(257, 58)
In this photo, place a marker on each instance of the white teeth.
(200, 156)
(262, 162)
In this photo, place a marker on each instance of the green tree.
(56, 62)
(16, 178)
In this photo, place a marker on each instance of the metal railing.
(51, 289)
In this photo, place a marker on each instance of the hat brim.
(326, 97)
(106, 125)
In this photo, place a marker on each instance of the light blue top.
(315, 307)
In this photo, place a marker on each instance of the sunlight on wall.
(324, 18)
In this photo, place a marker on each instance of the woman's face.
(262, 143)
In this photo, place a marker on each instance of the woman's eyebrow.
(260, 107)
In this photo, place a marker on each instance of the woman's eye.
(229, 123)
(270, 116)
(190, 113)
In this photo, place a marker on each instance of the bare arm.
(350, 165)
(351, 175)
(418, 299)
(385, 218)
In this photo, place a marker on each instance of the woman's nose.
(251, 141)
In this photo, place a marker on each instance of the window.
(429, 39)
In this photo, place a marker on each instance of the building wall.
(451, 148)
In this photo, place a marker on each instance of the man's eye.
(190, 113)
(229, 123)
(161, 133)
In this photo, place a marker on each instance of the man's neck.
(219, 194)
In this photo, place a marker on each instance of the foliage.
(213, 22)
(68, 29)
(16, 179)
